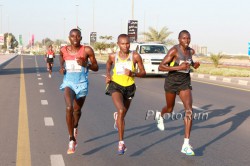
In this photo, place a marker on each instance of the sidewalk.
(5, 58)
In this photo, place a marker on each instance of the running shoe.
(187, 149)
(72, 147)
(159, 121)
(121, 148)
(49, 75)
(115, 118)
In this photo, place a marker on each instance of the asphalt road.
(221, 139)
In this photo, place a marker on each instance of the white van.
(152, 54)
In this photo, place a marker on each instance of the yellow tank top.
(118, 70)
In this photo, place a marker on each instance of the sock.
(186, 141)
(72, 139)
(121, 142)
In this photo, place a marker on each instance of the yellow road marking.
(23, 141)
(226, 86)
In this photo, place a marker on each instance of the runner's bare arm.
(108, 67)
(139, 62)
(93, 66)
(61, 60)
(171, 55)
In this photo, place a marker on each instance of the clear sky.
(221, 25)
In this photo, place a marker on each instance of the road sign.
(132, 30)
(248, 48)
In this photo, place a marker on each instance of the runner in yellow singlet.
(121, 86)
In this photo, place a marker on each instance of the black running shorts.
(176, 81)
(128, 92)
(50, 60)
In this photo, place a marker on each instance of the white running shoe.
(72, 147)
(159, 121)
(49, 75)
(187, 149)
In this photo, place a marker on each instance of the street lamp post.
(1, 18)
(132, 9)
(77, 15)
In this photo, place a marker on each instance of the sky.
(219, 25)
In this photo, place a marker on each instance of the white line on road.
(48, 121)
(42, 91)
(57, 160)
(44, 102)
(40, 83)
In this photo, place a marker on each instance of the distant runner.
(49, 58)
(178, 82)
(75, 62)
(121, 86)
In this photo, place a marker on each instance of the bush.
(216, 59)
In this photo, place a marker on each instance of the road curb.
(222, 79)
(2, 64)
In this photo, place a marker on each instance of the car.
(152, 54)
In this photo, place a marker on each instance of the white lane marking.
(38, 75)
(197, 108)
(44, 102)
(56, 160)
(39, 78)
(48, 121)
(40, 83)
(42, 90)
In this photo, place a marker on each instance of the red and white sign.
(1, 39)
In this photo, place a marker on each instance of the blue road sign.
(248, 48)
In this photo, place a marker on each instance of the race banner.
(1, 39)
(20, 40)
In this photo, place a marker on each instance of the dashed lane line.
(57, 160)
(42, 91)
(48, 121)
(44, 102)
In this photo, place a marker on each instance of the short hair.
(75, 30)
(122, 35)
(183, 31)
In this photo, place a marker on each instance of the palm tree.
(162, 36)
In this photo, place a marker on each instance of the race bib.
(121, 66)
(72, 66)
(50, 56)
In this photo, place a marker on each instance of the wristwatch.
(133, 74)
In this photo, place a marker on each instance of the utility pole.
(77, 15)
(132, 9)
(93, 15)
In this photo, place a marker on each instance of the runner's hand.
(127, 72)
(184, 66)
(108, 78)
(62, 71)
(196, 65)
(81, 62)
